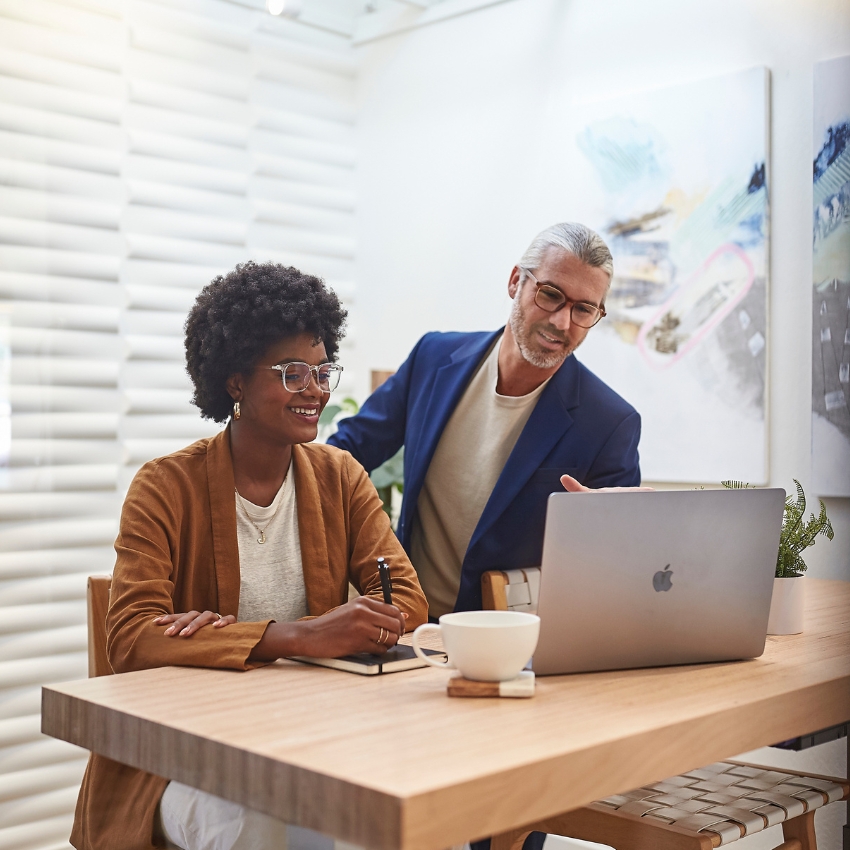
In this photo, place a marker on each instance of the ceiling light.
(287, 8)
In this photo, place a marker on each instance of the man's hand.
(572, 486)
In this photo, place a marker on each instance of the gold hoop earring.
(236, 411)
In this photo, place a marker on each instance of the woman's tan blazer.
(177, 551)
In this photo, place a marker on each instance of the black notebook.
(394, 660)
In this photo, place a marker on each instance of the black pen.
(386, 584)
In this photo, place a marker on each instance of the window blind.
(144, 148)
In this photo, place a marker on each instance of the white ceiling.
(363, 21)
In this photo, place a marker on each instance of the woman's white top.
(271, 575)
(470, 457)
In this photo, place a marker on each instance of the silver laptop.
(649, 579)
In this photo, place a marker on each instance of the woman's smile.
(310, 412)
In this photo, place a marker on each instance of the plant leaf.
(390, 473)
(329, 414)
(798, 534)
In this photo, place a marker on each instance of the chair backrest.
(511, 590)
(97, 599)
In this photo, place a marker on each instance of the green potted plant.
(333, 412)
(786, 606)
(389, 476)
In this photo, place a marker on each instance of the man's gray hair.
(584, 243)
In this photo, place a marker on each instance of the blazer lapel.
(448, 386)
(223, 518)
(311, 532)
(548, 423)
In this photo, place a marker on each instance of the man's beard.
(523, 334)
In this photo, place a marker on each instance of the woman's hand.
(361, 625)
(572, 486)
(185, 625)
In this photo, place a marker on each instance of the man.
(492, 423)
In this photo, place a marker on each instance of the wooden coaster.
(522, 686)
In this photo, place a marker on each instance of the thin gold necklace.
(262, 538)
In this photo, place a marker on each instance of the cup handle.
(418, 650)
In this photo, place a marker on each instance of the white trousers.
(194, 820)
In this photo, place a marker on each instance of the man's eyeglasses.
(296, 376)
(551, 299)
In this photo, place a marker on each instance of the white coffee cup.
(488, 646)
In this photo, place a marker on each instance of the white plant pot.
(786, 606)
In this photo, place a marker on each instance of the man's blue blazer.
(579, 426)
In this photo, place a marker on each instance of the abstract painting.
(679, 187)
(831, 279)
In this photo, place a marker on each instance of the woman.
(239, 549)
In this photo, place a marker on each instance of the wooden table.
(392, 763)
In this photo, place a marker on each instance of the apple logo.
(663, 579)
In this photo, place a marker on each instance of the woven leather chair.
(698, 810)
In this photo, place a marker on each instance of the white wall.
(452, 130)
(449, 147)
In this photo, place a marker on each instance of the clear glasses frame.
(551, 299)
(296, 376)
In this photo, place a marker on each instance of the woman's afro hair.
(240, 314)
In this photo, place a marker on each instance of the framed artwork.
(831, 279)
(676, 182)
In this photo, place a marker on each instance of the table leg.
(846, 841)
(801, 829)
(510, 840)
(622, 832)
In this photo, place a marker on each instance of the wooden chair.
(97, 601)
(698, 810)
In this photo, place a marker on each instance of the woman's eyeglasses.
(551, 299)
(296, 376)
